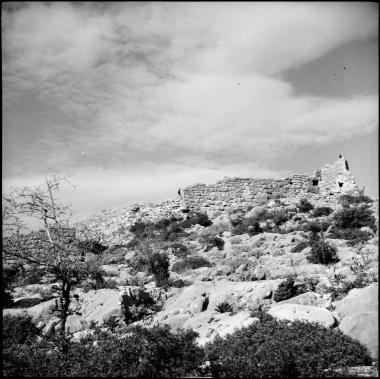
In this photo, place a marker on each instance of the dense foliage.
(158, 265)
(274, 348)
(287, 289)
(140, 352)
(355, 217)
(305, 206)
(322, 211)
(322, 252)
(271, 221)
(214, 242)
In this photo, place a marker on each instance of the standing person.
(179, 192)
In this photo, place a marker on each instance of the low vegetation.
(274, 348)
(190, 263)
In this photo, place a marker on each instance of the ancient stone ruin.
(326, 185)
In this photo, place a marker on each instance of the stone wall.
(325, 186)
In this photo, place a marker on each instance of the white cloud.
(111, 83)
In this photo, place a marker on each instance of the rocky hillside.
(295, 260)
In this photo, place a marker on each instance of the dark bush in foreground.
(322, 211)
(287, 289)
(273, 348)
(304, 206)
(322, 252)
(190, 263)
(17, 329)
(154, 352)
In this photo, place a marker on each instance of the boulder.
(359, 316)
(308, 313)
(309, 298)
(359, 300)
(255, 212)
(363, 327)
(27, 301)
(75, 324)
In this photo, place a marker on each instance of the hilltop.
(302, 248)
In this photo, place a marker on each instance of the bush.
(214, 242)
(274, 348)
(158, 265)
(247, 225)
(144, 352)
(287, 289)
(322, 211)
(179, 250)
(300, 246)
(347, 200)
(224, 307)
(178, 283)
(355, 218)
(304, 206)
(322, 252)
(353, 236)
(18, 329)
(135, 308)
(196, 218)
(190, 263)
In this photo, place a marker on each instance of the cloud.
(141, 86)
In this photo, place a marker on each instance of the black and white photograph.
(190, 189)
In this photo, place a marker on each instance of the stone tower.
(336, 178)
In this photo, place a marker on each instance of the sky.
(133, 100)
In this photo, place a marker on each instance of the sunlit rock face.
(337, 178)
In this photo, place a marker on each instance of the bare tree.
(61, 255)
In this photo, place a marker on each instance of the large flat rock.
(300, 312)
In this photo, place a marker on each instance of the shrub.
(355, 218)
(300, 246)
(214, 242)
(247, 225)
(322, 211)
(279, 217)
(353, 236)
(274, 348)
(144, 352)
(179, 250)
(347, 200)
(135, 308)
(196, 218)
(178, 283)
(190, 263)
(18, 329)
(158, 265)
(322, 252)
(287, 289)
(304, 206)
(224, 307)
